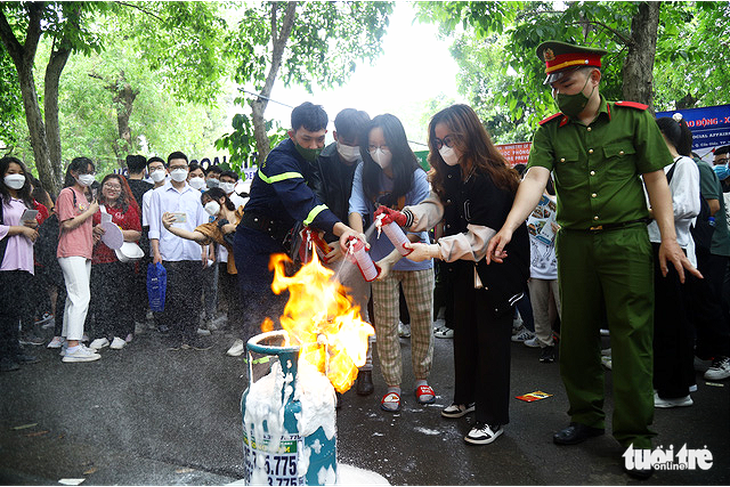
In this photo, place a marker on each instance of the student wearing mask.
(331, 181)
(75, 248)
(212, 176)
(473, 189)
(390, 176)
(180, 258)
(228, 180)
(196, 177)
(112, 280)
(158, 175)
(16, 259)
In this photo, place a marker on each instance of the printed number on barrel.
(277, 465)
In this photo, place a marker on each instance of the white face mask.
(212, 208)
(14, 181)
(157, 175)
(348, 153)
(449, 156)
(197, 183)
(85, 180)
(227, 187)
(179, 175)
(381, 157)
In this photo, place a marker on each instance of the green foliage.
(11, 102)
(182, 43)
(326, 42)
(693, 55)
(241, 143)
(502, 76)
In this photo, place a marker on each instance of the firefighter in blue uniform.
(279, 199)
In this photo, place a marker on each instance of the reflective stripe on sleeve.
(279, 177)
(313, 214)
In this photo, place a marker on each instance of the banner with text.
(710, 126)
(515, 153)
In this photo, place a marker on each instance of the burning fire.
(321, 318)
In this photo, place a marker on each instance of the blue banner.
(710, 126)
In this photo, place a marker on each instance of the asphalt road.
(149, 416)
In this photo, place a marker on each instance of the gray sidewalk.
(148, 416)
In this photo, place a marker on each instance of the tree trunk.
(258, 105)
(124, 96)
(23, 56)
(37, 131)
(50, 100)
(638, 69)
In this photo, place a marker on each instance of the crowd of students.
(184, 217)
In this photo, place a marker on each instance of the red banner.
(515, 153)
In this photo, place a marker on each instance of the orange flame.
(322, 319)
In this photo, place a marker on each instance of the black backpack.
(704, 227)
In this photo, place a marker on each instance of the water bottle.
(362, 259)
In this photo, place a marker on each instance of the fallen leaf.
(184, 470)
(90, 471)
(25, 426)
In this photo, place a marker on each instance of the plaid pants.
(418, 290)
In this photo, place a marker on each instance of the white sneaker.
(404, 331)
(719, 370)
(524, 334)
(672, 403)
(236, 349)
(81, 354)
(483, 434)
(117, 343)
(99, 343)
(57, 342)
(532, 343)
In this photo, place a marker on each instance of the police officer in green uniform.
(597, 150)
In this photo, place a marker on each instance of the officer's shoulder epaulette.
(631, 104)
(551, 117)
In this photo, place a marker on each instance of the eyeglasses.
(447, 141)
(373, 148)
(111, 186)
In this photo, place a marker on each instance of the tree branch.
(151, 14)
(618, 34)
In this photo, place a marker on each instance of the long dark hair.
(78, 164)
(677, 133)
(216, 194)
(125, 199)
(23, 192)
(403, 161)
(476, 147)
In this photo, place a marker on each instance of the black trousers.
(711, 324)
(182, 299)
(481, 351)
(673, 340)
(14, 294)
(112, 302)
